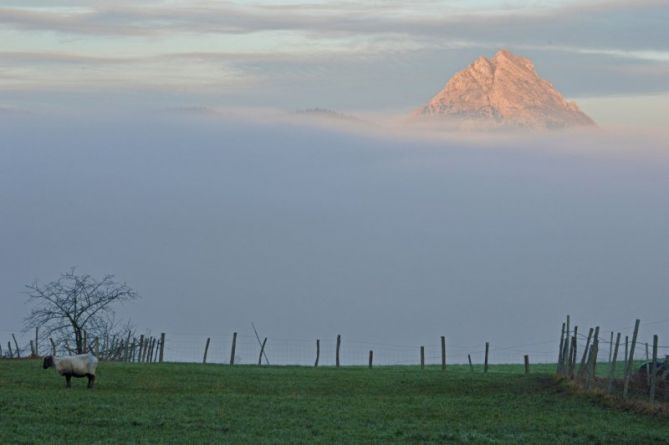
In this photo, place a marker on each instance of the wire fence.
(189, 347)
(626, 368)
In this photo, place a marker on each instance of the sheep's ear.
(48, 362)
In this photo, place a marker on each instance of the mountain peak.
(504, 56)
(504, 91)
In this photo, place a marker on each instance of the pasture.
(193, 403)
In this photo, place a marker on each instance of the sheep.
(661, 370)
(82, 365)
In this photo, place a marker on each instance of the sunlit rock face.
(504, 91)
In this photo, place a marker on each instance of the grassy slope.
(179, 403)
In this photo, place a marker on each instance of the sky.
(157, 142)
(390, 56)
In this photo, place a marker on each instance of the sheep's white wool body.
(76, 365)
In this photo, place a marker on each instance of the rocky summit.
(504, 91)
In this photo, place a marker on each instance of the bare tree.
(76, 304)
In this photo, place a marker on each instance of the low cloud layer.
(310, 232)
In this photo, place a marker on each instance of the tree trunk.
(78, 338)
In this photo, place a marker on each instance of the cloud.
(612, 25)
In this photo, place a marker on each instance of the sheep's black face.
(48, 362)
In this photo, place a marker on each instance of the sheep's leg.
(68, 378)
(91, 380)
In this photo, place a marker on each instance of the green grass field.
(189, 403)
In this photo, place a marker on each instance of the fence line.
(190, 347)
(636, 377)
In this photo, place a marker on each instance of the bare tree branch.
(75, 304)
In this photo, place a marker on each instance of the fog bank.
(387, 238)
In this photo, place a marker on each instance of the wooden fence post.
(140, 348)
(105, 345)
(9, 347)
(595, 338)
(562, 340)
(630, 359)
(371, 358)
(145, 348)
(592, 361)
(527, 364)
(471, 367)
(119, 352)
(127, 346)
(338, 348)
(485, 364)
(96, 346)
(234, 348)
(36, 341)
(611, 348)
(422, 357)
(318, 352)
(154, 349)
(612, 369)
(112, 345)
(572, 357)
(581, 368)
(443, 352)
(262, 351)
(120, 348)
(647, 367)
(206, 351)
(162, 347)
(149, 350)
(567, 344)
(1, 354)
(626, 349)
(18, 351)
(653, 376)
(53, 346)
(32, 348)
